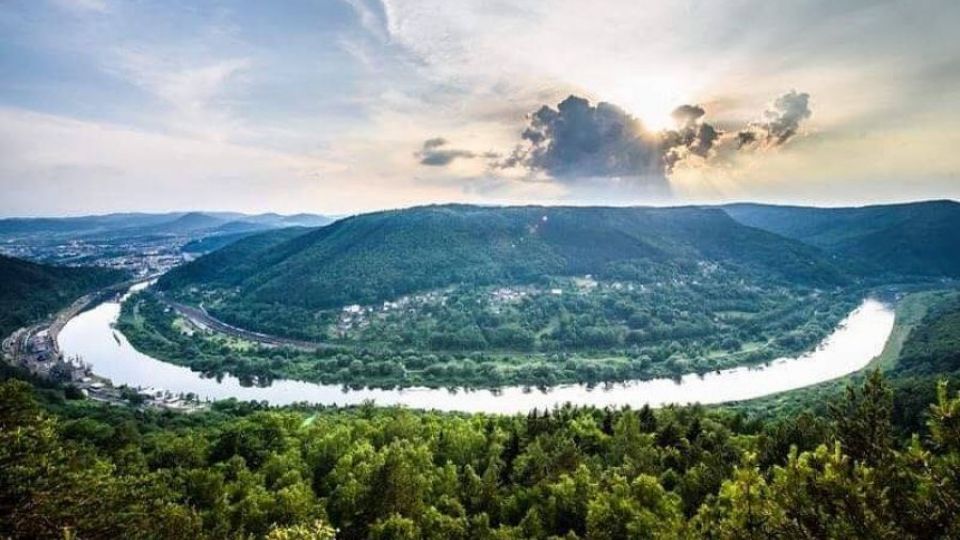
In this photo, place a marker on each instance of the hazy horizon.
(491, 205)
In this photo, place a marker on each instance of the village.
(356, 317)
(35, 349)
(138, 256)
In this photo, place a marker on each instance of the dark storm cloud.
(692, 136)
(435, 142)
(745, 137)
(590, 145)
(577, 140)
(433, 153)
(686, 115)
(780, 122)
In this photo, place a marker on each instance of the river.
(858, 339)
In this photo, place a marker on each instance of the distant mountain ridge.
(132, 224)
(82, 223)
(921, 238)
(382, 255)
(195, 232)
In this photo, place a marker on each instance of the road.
(16, 342)
(97, 388)
(201, 318)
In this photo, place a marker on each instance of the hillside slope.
(32, 291)
(933, 347)
(916, 238)
(383, 255)
(225, 265)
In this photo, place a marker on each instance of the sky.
(343, 106)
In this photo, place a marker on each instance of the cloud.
(373, 17)
(98, 6)
(62, 165)
(693, 136)
(435, 142)
(592, 146)
(745, 137)
(780, 122)
(194, 94)
(577, 142)
(686, 115)
(433, 153)
(577, 139)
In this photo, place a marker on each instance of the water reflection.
(857, 340)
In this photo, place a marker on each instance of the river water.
(859, 338)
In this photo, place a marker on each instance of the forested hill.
(914, 238)
(382, 255)
(29, 291)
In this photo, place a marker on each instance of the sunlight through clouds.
(359, 85)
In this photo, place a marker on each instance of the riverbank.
(909, 312)
(191, 337)
(852, 345)
(36, 349)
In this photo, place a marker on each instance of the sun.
(652, 99)
(654, 118)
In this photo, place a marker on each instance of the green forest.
(31, 292)
(877, 459)
(604, 295)
(458, 295)
(578, 330)
(281, 282)
(243, 470)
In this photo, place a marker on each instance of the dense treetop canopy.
(383, 255)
